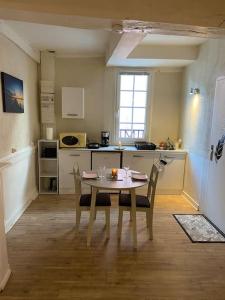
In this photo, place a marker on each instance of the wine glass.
(126, 169)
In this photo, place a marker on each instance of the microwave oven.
(72, 140)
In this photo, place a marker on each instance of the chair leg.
(95, 213)
(78, 215)
(150, 226)
(130, 216)
(120, 221)
(107, 221)
(147, 218)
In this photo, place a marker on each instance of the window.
(132, 105)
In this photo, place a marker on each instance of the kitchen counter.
(126, 149)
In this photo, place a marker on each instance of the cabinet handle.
(138, 155)
(74, 154)
(169, 157)
(70, 173)
(73, 115)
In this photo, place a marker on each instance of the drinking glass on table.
(126, 169)
(101, 172)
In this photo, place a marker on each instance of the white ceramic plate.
(139, 176)
(89, 174)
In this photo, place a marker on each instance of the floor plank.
(49, 260)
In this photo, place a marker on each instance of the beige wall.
(99, 83)
(19, 130)
(89, 74)
(197, 114)
(165, 115)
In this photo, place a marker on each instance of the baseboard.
(12, 221)
(190, 200)
(5, 279)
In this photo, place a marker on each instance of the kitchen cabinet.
(139, 161)
(67, 159)
(72, 102)
(107, 159)
(170, 180)
(48, 166)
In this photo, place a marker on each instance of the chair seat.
(141, 201)
(102, 199)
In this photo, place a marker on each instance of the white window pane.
(126, 98)
(141, 82)
(139, 126)
(126, 82)
(140, 99)
(139, 115)
(138, 134)
(126, 133)
(125, 115)
(125, 126)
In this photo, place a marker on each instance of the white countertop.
(126, 149)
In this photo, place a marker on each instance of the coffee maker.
(105, 138)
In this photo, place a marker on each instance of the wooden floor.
(50, 261)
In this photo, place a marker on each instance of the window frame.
(130, 141)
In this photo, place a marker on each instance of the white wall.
(19, 130)
(4, 265)
(197, 114)
(99, 83)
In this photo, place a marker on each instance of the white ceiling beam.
(165, 52)
(121, 45)
(21, 43)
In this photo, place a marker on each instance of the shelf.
(49, 175)
(47, 192)
(48, 167)
(46, 158)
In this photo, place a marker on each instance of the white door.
(215, 208)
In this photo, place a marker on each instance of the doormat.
(199, 229)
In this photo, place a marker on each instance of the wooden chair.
(143, 203)
(83, 202)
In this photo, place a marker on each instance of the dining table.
(122, 183)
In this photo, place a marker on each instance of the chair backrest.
(152, 185)
(77, 183)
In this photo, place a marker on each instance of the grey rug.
(199, 229)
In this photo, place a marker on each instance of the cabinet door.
(109, 160)
(139, 161)
(170, 180)
(72, 102)
(67, 159)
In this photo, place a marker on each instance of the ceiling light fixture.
(194, 91)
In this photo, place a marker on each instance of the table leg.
(133, 213)
(92, 216)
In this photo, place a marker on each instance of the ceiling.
(177, 51)
(205, 13)
(65, 41)
(157, 39)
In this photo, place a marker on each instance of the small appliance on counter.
(72, 140)
(93, 145)
(145, 146)
(105, 138)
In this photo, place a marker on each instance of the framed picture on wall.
(12, 94)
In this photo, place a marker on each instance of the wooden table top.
(125, 184)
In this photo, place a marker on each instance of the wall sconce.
(194, 91)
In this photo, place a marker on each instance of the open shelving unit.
(48, 166)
